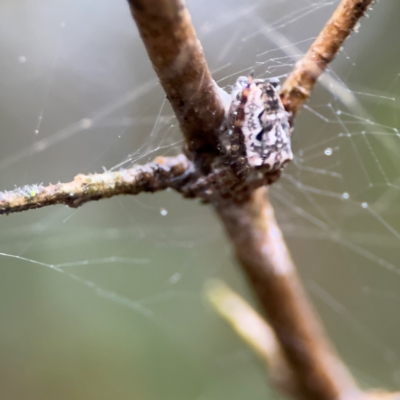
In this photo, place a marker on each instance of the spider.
(254, 143)
(258, 137)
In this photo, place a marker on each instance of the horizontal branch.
(157, 175)
(298, 86)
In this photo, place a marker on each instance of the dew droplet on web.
(328, 151)
(86, 123)
(163, 212)
(175, 278)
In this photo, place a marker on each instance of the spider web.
(107, 301)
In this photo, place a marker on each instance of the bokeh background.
(123, 314)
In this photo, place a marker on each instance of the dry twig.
(178, 60)
(152, 177)
(319, 373)
(255, 331)
(298, 86)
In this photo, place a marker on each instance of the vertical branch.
(178, 59)
(259, 247)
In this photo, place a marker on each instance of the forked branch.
(178, 60)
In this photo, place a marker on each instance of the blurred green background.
(127, 318)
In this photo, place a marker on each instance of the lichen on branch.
(157, 175)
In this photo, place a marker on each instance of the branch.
(298, 86)
(178, 59)
(255, 331)
(260, 249)
(152, 177)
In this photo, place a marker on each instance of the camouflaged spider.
(254, 143)
(258, 137)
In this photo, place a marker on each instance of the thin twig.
(178, 60)
(255, 331)
(260, 249)
(298, 86)
(152, 177)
